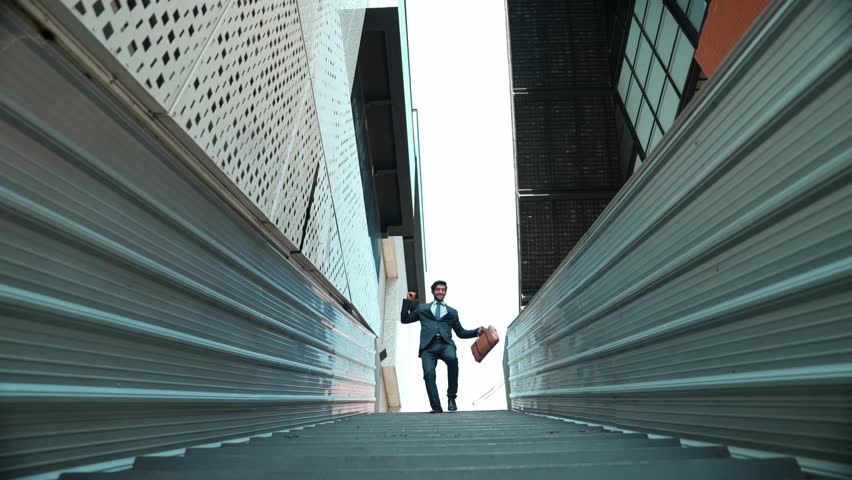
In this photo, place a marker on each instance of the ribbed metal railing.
(711, 300)
(139, 312)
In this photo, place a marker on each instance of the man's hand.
(411, 296)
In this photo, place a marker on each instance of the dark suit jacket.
(429, 325)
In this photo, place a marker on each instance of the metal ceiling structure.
(567, 159)
(390, 130)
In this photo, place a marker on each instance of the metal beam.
(566, 194)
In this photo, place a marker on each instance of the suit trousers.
(440, 349)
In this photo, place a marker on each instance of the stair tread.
(474, 445)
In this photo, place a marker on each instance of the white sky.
(460, 84)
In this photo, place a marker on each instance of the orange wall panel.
(726, 22)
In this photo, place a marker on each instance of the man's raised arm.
(409, 309)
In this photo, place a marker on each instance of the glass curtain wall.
(657, 60)
(694, 10)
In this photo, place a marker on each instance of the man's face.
(440, 292)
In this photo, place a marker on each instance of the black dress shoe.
(451, 406)
(436, 410)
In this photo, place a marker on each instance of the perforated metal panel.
(557, 44)
(566, 142)
(247, 105)
(327, 44)
(234, 77)
(158, 42)
(249, 83)
(292, 188)
(352, 20)
(549, 229)
(566, 145)
(711, 299)
(329, 23)
(322, 239)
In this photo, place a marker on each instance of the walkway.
(474, 445)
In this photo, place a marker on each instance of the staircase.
(474, 445)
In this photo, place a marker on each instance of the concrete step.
(426, 427)
(695, 469)
(252, 461)
(471, 445)
(477, 448)
(480, 432)
(431, 434)
(430, 427)
(418, 439)
(458, 417)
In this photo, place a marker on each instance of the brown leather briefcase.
(484, 343)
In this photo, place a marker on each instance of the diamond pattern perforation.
(263, 88)
(322, 241)
(244, 103)
(352, 18)
(310, 14)
(296, 178)
(393, 296)
(328, 43)
(334, 111)
(156, 42)
(328, 23)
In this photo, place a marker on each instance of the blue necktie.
(438, 311)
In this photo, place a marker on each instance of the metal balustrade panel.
(141, 312)
(710, 300)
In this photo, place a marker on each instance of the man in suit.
(436, 341)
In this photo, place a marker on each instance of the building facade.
(595, 87)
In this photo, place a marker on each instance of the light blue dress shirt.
(443, 308)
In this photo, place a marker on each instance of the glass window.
(683, 4)
(644, 125)
(643, 60)
(624, 80)
(668, 106)
(652, 19)
(656, 81)
(656, 136)
(681, 60)
(632, 41)
(639, 9)
(666, 38)
(634, 99)
(696, 13)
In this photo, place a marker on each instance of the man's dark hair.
(438, 282)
